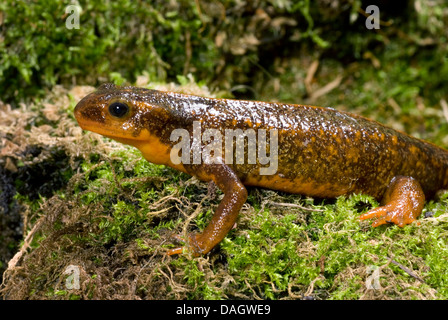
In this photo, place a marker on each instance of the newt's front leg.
(401, 204)
(235, 195)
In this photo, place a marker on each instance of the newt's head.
(130, 115)
(119, 113)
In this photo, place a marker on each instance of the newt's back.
(321, 151)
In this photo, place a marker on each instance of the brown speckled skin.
(322, 152)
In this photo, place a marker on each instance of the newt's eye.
(118, 109)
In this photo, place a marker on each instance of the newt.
(322, 152)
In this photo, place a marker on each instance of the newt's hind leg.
(402, 203)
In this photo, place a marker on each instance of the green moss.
(324, 252)
(196, 278)
(212, 40)
(49, 53)
(266, 258)
(119, 211)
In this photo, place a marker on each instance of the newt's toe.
(389, 214)
(174, 251)
(190, 245)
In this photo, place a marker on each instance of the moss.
(117, 214)
(103, 208)
(164, 39)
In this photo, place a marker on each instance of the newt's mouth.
(116, 133)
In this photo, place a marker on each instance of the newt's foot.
(192, 245)
(389, 214)
(402, 203)
(176, 239)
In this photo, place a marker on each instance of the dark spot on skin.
(93, 113)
